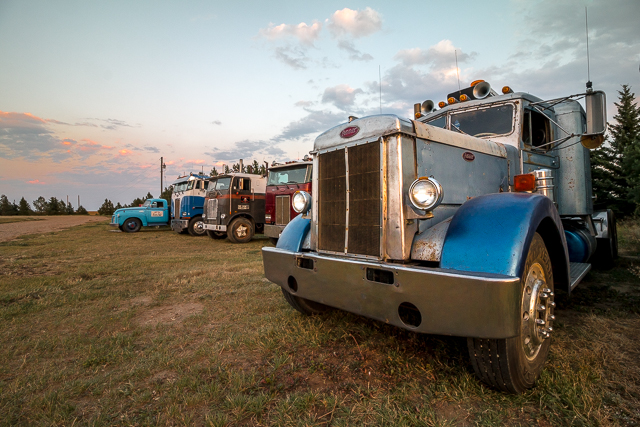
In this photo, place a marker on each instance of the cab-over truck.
(464, 221)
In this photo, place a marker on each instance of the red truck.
(283, 181)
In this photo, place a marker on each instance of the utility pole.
(162, 168)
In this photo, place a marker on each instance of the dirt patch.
(168, 314)
(45, 224)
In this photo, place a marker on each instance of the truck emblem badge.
(349, 132)
(468, 156)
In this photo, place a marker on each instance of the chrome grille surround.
(176, 209)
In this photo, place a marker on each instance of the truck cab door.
(157, 213)
(241, 194)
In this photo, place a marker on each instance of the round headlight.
(425, 193)
(301, 201)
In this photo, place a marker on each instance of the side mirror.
(596, 103)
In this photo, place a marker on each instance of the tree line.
(41, 206)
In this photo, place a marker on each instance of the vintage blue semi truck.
(187, 202)
(464, 220)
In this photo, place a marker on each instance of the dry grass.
(155, 328)
(12, 219)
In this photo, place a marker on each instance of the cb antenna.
(586, 24)
(457, 69)
(380, 82)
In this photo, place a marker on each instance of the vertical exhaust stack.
(241, 166)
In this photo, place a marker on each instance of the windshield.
(297, 175)
(222, 184)
(146, 203)
(181, 186)
(440, 122)
(485, 122)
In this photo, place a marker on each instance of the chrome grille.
(283, 210)
(361, 234)
(176, 209)
(211, 209)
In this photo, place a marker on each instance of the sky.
(94, 93)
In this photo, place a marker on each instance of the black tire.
(240, 230)
(514, 364)
(273, 241)
(120, 227)
(304, 306)
(217, 235)
(132, 225)
(196, 227)
(607, 248)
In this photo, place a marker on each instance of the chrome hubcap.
(199, 227)
(537, 311)
(241, 231)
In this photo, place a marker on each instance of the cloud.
(441, 55)
(354, 23)
(25, 135)
(342, 96)
(354, 54)
(246, 150)
(151, 149)
(314, 122)
(293, 56)
(303, 104)
(36, 181)
(303, 33)
(216, 122)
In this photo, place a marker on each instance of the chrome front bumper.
(214, 227)
(450, 302)
(178, 225)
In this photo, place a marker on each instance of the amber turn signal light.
(442, 104)
(525, 182)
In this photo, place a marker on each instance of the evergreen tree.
(226, 169)
(24, 208)
(235, 167)
(53, 206)
(214, 172)
(106, 208)
(81, 211)
(6, 207)
(614, 168)
(41, 205)
(255, 167)
(166, 194)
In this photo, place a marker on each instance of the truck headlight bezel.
(426, 193)
(301, 201)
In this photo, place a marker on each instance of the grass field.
(155, 328)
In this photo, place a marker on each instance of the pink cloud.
(36, 181)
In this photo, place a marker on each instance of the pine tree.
(24, 208)
(81, 211)
(614, 168)
(6, 207)
(166, 194)
(214, 172)
(106, 208)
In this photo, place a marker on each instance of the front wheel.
(196, 227)
(240, 230)
(514, 364)
(132, 225)
(304, 306)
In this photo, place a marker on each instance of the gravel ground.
(45, 224)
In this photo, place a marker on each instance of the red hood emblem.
(349, 132)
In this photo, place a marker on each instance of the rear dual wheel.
(514, 364)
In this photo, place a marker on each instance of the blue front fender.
(492, 234)
(294, 233)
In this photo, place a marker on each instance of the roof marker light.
(442, 104)
(452, 100)
(475, 82)
(463, 98)
(506, 90)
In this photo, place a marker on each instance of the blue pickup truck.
(152, 212)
